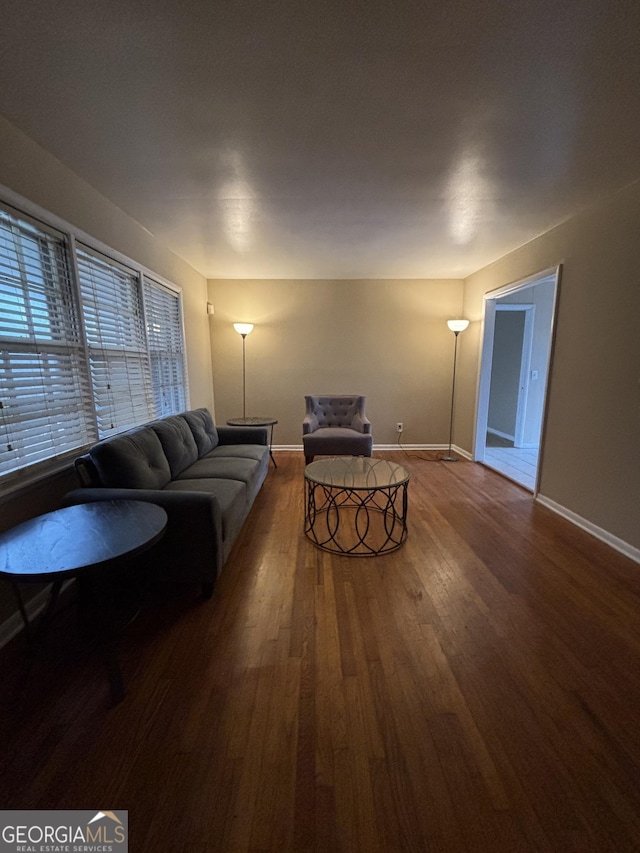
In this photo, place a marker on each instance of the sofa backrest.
(149, 456)
(133, 460)
(177, 441)
(203, 430)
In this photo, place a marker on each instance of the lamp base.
(449, 458)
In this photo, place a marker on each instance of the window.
(166, 347)
(45, 406)
(118, 357)
(78, 364)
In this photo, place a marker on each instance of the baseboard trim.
(297, 448)
(464, 453)
(501, 434)
(603, 535)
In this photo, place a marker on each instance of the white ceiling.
(336, 138)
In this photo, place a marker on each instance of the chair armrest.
(310, 424)
(361, 423)
(243, 435)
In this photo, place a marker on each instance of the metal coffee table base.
(356, 522)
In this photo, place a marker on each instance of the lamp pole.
(456, 327)
(243, 329)
(244, 378)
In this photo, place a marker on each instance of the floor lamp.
(456, 327)
(243, 329)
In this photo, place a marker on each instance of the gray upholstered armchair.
(336, 426)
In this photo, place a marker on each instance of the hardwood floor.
(477, 690)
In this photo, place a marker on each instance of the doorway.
(516, 352)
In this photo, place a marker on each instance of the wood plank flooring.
(477, 690)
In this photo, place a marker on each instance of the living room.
(389, 337)
(369, 329)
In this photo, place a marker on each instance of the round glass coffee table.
(356, 505)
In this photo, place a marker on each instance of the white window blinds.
(115, 332)
(166, 347)
(82, 356)
(45, 399)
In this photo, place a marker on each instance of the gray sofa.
(205, 477)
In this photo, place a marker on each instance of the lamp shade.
(243, 328)
(457, 325)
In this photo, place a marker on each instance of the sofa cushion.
(230, 494)
(177, 442)
(225, 468)
(203, 429)
(133, 460)
(239, 451)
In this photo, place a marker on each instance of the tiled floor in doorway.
(516, 463)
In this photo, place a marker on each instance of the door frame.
(486, 357)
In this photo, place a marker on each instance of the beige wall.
(30, 171)
(385, 339)
(591, 460)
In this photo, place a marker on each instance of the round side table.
(257, 422)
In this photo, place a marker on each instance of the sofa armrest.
(206, 505)
(243, 435)
(192, 547)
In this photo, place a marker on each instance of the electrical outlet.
(399, 426)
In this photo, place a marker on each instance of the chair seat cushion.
(337, 441)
